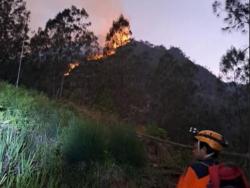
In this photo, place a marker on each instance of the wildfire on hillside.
(118, 35)
(71, 67)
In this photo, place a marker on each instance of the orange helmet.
(215, 140)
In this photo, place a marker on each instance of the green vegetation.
(156, 131)
(125, 148)
(44, 143)
(47, 144)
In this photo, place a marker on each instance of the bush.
(84, 142)
(90, 143)
(125, 147)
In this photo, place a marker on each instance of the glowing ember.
(72, 66)
(95, 56)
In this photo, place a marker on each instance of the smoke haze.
(101, 13)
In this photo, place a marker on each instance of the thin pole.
(20, 64)
(21, 57)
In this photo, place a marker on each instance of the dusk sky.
(187, 24)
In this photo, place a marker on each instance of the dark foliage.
(65, 40)
(14, 29)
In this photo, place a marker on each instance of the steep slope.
(146, 84)
(150, 85)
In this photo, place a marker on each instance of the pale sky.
(187, 24)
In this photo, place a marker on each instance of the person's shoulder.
(200, 168)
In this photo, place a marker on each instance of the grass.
(84, 143)
(22, 165)
(154, 130)
(45, 143)
(132, 152)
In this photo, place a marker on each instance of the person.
(204, 171)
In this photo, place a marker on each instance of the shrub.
(84, 142)
(125, 147)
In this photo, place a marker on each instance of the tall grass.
(47, 144)
(84, 142)
(21, 164)
(125, 148)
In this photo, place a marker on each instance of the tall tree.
(66, 38)
(13, 32)
(235, 63)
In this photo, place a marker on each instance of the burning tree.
(118, 35)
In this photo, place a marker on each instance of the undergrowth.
(47, 144)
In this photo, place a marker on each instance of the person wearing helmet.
(208, 145)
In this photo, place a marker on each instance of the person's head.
(208, 144)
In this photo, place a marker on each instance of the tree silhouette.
(13, 33)
(235, 63)
(65, 39)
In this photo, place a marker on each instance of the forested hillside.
(152, 85)
(76, 113)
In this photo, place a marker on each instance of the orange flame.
(96, 56)
(120, 38)
(71, 67)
